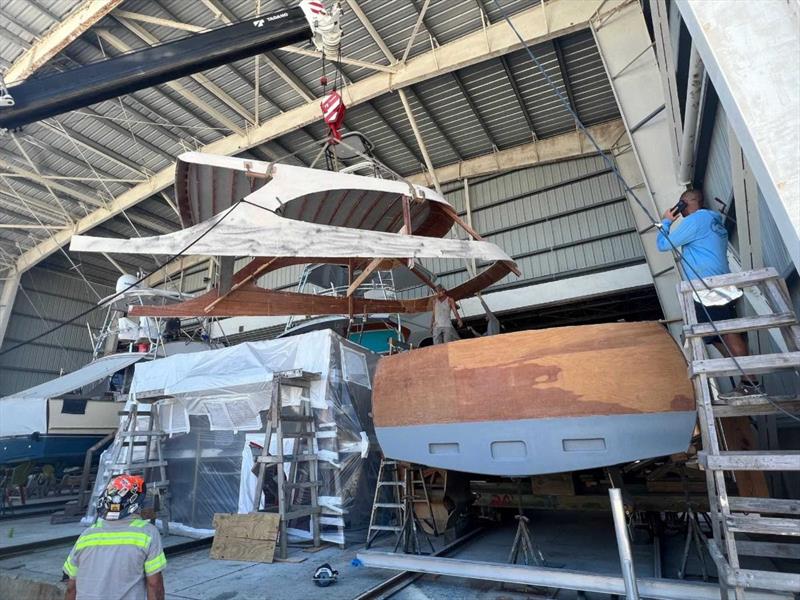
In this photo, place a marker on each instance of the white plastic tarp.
(234, 373)
(25, 412)
(248, 230)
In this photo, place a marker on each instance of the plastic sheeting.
(26, 412)
(213, 408)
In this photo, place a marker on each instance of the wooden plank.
(779, 460)
(781, 506)
(766, 525)
(752, 365)
(559, 372)
(789, 404)
(741, 279)
(368, 270)
(255, 526)
(234, 548)
(741, 324)
(768, 549)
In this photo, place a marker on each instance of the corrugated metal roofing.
(129, 138)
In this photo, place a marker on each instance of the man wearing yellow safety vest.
(119, 557)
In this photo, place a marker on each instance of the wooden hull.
(537, 401)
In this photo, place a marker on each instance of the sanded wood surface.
(249, 537)
(608, 369)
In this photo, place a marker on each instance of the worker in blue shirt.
(703, 242)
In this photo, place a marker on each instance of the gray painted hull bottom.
(537, 446)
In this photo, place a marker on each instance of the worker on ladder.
(703, 240)
(441, 325)
(120, 556)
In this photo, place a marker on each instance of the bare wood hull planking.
(535, 402)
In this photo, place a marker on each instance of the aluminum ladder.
(398, 486)
(297, 424)
(732, 515)
(138, 450)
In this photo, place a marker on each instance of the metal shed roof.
(55, 172)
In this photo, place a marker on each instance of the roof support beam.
(518, 95)
(562, 68)
(564, 17)
(53, 185)
(59, 37)
(178, 87)
(560, 147)
(204, 81)
(484, 125)
(373, 33)
(418, 136)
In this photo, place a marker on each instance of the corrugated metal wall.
(44, 300)
(556, 220)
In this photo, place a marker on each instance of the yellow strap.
(155, 563)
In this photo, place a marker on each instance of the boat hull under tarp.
(535, 402)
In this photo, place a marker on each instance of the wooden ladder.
(732, 515)
(141, 430)
(292, 423)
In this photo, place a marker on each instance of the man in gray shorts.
(441, 325)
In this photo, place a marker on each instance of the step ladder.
(296, 468)
(732, 515)
(138, 451)
(389, 503)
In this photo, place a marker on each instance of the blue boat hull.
(66, 450)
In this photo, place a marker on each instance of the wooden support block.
(233, 548)
(249, 538)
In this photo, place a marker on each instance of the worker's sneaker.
(745, 389)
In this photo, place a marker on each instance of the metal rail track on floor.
(395, 583)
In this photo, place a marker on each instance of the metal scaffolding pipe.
(694, 95)
(657, 589)
(623, 544)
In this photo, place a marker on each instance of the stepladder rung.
(387, 505)
(740, 279)
(752, 365)
(302, 511)
(395, 483)
(142, 433)
(754, 460)
(303, 484)
(385, 528)
(768, 580)
(768, 549)
(740, 325)
(779, 506)
(764, 525)
(751, 406)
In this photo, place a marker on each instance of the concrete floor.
(582, 541)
